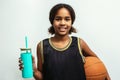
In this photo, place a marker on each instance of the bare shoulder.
(39, 45)
(85, 48)
(39, 56)
(38, 49)
(82, 43)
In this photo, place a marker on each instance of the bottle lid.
(24, 49)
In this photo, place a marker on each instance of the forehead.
(63, 12)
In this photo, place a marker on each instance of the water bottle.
(26, 57)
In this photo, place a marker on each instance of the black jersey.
(62, 64)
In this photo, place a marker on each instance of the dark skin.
(62, 24)
(37, 70)
(87, 52)
(56, 42)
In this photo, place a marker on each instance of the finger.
(20, 60)
(21, 66)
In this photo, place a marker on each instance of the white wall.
(97, 21)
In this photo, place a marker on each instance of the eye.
(67, 19)
(57, 19)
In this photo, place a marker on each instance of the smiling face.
(62, 22)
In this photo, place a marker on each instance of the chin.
(63, 34)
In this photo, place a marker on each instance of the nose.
(62, 22)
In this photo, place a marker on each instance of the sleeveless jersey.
(63, 64)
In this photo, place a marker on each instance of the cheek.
(69, 25)
(55, 23)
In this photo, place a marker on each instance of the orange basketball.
(94, 69)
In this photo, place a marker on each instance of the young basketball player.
(60, 57)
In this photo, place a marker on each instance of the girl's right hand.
(20, 64)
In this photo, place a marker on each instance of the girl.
(60, 57)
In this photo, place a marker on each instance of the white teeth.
(62, 28)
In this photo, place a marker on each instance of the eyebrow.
(61, 17)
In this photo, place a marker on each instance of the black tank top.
(62, 64)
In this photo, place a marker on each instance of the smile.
(62, 29)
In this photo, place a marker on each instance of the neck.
(61, 38)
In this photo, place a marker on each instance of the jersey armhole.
(80, 50)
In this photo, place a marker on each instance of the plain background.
(97, 22)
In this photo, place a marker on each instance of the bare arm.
(38, 69)
(88, 52)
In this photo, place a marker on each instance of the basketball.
(94, 69)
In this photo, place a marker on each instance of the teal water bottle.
(26, 57)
